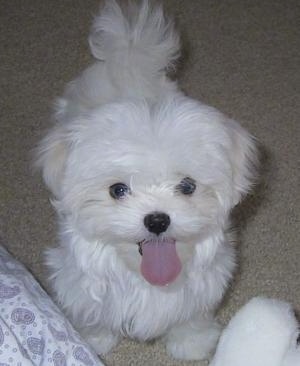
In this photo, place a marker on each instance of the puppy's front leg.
(194, 340)
(102, 341)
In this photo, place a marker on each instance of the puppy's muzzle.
(157, 222)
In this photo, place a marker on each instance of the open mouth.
(160, 262)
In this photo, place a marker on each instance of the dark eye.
(119, 190)
(186, 186)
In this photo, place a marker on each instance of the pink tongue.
(160, 262)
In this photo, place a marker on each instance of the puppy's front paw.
(103, 342)
(189, 342)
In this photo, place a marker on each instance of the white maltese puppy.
(144, 179)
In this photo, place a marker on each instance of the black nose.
(157, 222)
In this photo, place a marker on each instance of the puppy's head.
(150, 181)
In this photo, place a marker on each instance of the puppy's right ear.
(51, 156)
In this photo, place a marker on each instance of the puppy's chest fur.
(109, 296)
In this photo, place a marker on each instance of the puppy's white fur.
(124, 120)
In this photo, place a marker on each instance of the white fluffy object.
(263, 333)
(144, 179)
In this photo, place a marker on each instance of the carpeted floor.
(240, 56)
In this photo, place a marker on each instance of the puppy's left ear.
(243, 155)
(51, 156)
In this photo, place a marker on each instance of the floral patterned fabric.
(32, 329)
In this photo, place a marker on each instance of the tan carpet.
(240, 56)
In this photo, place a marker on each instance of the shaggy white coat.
(123, 120)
